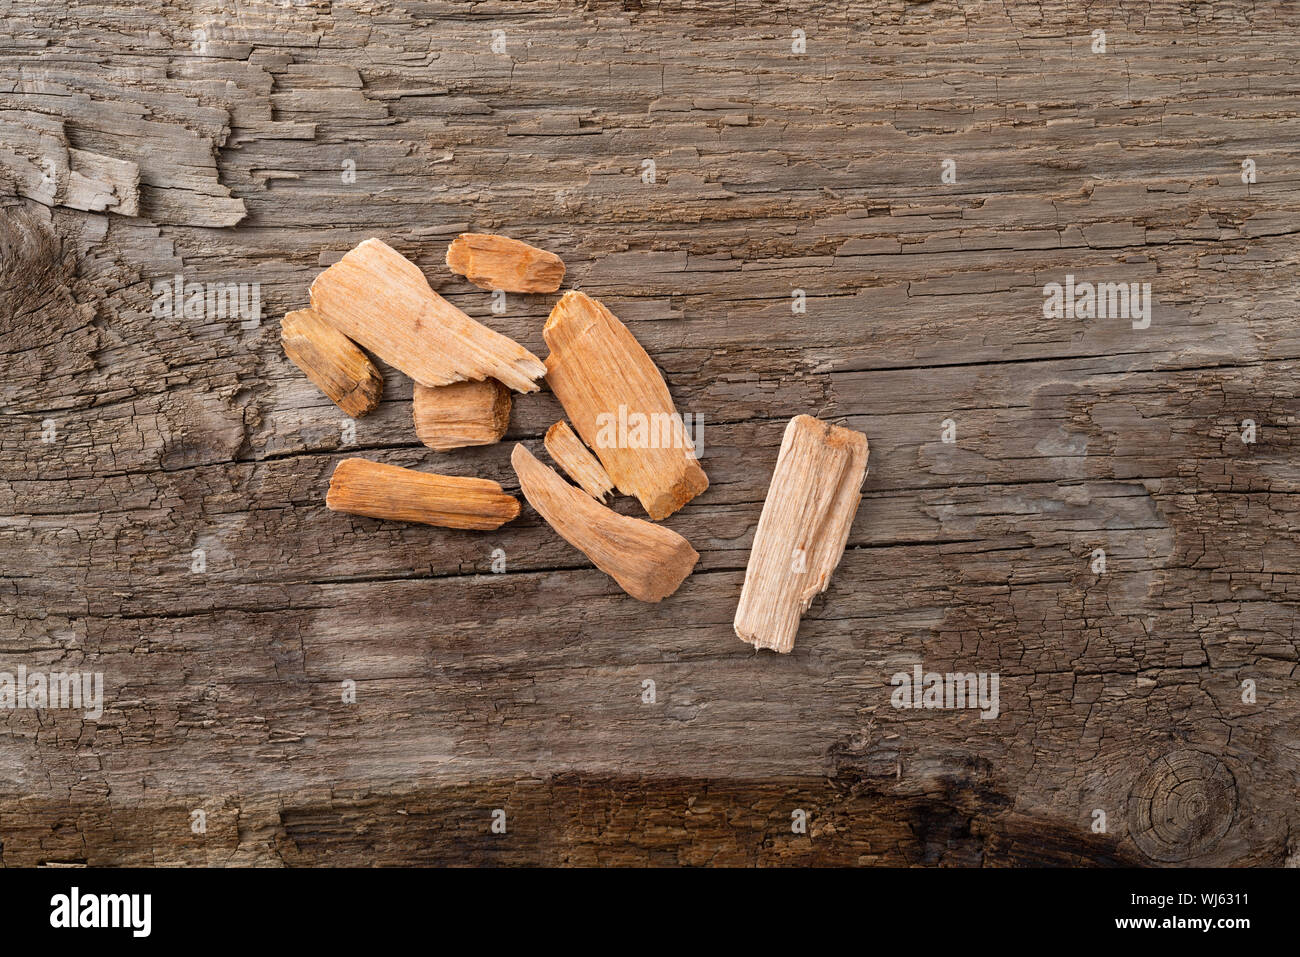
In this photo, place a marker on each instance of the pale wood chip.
(332, 361)
(647, 561)
(498, 262)
(802, 532)
(362, 487)
(576, 460)
(379, 298)
(461, 414)
(618, 402)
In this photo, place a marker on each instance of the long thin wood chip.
(802, 532)
(361, 487)
(498, 262)
(461, 414)
(332, 361)
(379, 298)
(576, 459)
(648, 561)
(618, 402)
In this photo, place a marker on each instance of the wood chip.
(802, 532)
(380, 299)
(648, 561)
(361, 487)
(497, 262)
(618, 402)
(576, 459)
(332, 361)
(463, 413)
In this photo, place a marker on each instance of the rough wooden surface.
(216, 141)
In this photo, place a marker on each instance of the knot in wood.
(1182, 805)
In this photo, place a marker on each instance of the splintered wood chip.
(379, 298)
(647, 561)
(461, 414)
(576, 459)
(332, 361)
(802, 532)
(498, 262)
(361, 487)
(618, 402)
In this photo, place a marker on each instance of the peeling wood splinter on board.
(498, 262)
(647, 561)
(362, 487)
(617, 400)
(377, 297)
(803, 529)
(332, 361)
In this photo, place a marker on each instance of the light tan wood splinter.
(379, 298)
(648, 561)
(802, 532)
(461, 414)
(576, 459)
(498, 262)
(618, 402)
(361, 487)
(332, 361)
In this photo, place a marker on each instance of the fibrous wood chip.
(379, 298)
(361, 487)
(618, 402)
(498, 262)
(332, 361)
(648, 561)
(461, 414)
(802, 532)
(576, 459)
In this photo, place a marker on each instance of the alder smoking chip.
(617, 400)
(647, 561)
(803, 529)
(498, 262)
(461, 414)
(577, 461)
(377, 297)
(332, 361)
(362, 487)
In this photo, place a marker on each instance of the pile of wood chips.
(376, 299)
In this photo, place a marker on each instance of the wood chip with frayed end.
(647, 561)
(576, 459)
(617, 400)
(362, 487)
(461, 414)
(379, 298)
(332, 361)
(498, 262)
(802, 532)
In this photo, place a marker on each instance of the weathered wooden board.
(793, 149)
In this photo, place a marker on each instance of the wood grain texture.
(331, 360)
(774, 172)
(461, 414)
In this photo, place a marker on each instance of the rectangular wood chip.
(461, 414)
(803, 529)
(362, 487)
